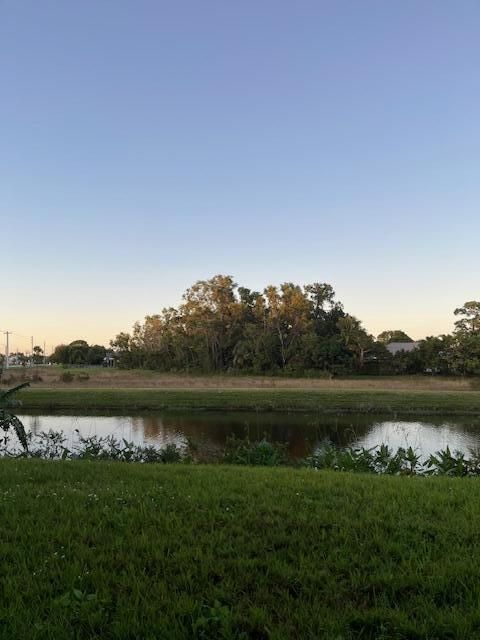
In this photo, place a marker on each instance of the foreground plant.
(382, 460)
(52, 445)
(9, 420)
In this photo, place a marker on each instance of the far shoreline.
(320, 401)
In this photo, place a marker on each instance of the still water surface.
(302, 433)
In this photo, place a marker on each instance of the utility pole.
(31, 356)
(7, 353)
(44, 352)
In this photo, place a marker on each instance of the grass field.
(84, 378)
(106, 550)
(320, 401)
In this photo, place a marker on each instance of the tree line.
(290, 329)
(285, 330)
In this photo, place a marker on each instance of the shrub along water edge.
(241, 451)
(380, 460)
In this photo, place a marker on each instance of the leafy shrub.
(380, 460)
(83, 377)
(48, 445)
(448, 464)
(243, 451)
(67, 376)
(51, 445)
(169, 453)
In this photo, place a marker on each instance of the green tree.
(469, 323)
(393, 335)
(61, 354)
(356, 339)
(95, 355)
(463, 355)
(78, 352)
(288, 317)
(37, 354)
(434, 354)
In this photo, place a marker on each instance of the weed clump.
(52, 445)
(244, 451)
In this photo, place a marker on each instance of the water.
(303, 433)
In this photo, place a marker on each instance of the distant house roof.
(396, 347)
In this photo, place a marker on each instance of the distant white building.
(110, 360)
(397, 347)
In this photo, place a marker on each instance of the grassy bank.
(325, 401)
(114, 551)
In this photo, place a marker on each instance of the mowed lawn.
(109, 550)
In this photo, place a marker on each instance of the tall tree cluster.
(220, 326)
(287, 329)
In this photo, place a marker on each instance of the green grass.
(107, 550)
(325, 401)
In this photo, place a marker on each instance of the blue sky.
(147, 144)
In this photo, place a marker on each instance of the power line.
(6, 346)
(7, 354)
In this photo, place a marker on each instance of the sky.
(147, 144)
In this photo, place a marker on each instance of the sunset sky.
(147, 144)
